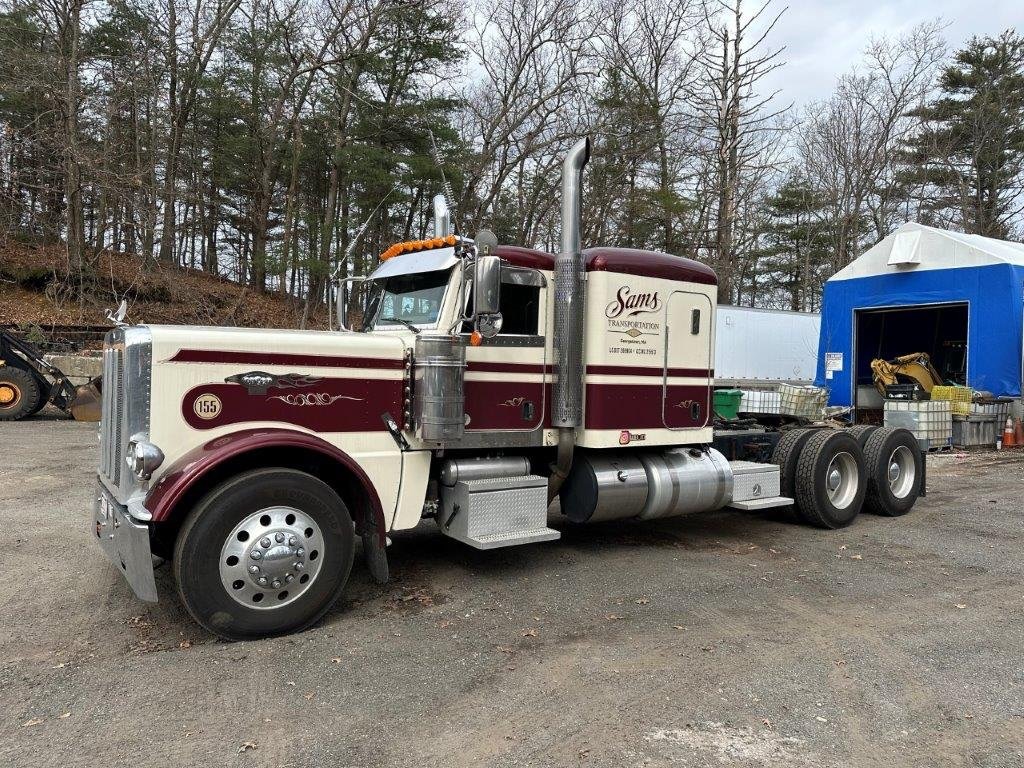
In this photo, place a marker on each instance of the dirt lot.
(716, 640)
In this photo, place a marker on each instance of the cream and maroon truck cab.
(484, 383)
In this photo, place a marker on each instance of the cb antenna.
(446, 188)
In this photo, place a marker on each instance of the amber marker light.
(409, 246)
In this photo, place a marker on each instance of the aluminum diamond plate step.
(495, 540)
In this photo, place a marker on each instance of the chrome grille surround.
(127, 381)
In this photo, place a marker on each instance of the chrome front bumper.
(126, 542)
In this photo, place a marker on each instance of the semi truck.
(483, 386)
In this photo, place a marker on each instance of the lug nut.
(299, 566)
(255, 554)
(275, 583)
(262, 580)
(291, 541)
(289, 578)
(265, 542)
(300, 551)
(254, 569)
(278, 537)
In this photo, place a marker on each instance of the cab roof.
(629, 261)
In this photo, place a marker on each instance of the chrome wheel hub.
(271, 557)
(902, 472)
(841, 480)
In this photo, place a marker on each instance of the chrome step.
(754, 505)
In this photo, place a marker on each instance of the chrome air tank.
(440, 366)
(605, 485)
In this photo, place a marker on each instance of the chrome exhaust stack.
(567, 392)
(442, 217)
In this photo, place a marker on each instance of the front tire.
(267, 552)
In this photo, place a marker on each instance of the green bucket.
(727, 403)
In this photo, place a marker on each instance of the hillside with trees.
(270, 143)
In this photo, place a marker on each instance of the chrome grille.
(111, 426)
(127, 355)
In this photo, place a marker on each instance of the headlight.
(143, 458)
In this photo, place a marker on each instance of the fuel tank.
(605, 485)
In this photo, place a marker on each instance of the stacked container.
(959, 397)
(758, 401)
(929, 420)
(802, 402)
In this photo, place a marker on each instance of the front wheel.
(265, 553)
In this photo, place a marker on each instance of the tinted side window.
(520, 305)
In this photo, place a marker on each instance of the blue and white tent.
(957, 297)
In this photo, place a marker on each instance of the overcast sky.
(824, 38)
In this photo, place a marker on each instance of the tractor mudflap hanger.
(486, 383)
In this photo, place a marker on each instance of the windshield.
(415, 298)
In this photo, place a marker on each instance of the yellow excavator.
(916, 367)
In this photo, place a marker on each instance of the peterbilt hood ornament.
(117, 318)
(258, 382)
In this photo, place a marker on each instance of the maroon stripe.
(282, 358)
(629, 370)
(329, 405)
(505, 367)
(644, 406)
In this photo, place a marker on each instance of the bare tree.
(848, 145)
(189, 49)
(739, 120)
(532, 56)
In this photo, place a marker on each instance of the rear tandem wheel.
(893, 460)
(830, 479)
(787, 456)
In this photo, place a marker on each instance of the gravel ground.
(716, 640)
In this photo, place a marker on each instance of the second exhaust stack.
(567, 393)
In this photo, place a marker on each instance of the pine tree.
(795, 245)
(967, 162)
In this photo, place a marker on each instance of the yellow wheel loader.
(28, 382)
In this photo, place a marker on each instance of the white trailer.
(765, 347)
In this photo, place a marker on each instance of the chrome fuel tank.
(645, 485)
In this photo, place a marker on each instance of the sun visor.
(417, 261)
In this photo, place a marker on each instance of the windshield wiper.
(406, 323)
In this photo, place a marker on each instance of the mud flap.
(376, 556)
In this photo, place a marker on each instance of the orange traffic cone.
(1008, 437)
(1018, 433)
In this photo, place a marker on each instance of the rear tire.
(830, 479)
(282, 522)
(19, 393)
(787, 456)
(861, 433)
(894, 467)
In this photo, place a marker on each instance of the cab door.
(688, 374)
(505, 375)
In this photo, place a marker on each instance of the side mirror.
(487, 285)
